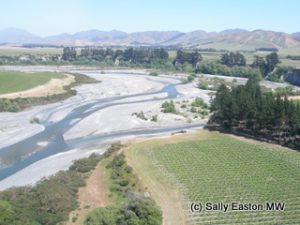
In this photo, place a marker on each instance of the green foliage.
(262, 114)
(187, 58)
(266, 65)
(285, 91)
(86, 164)
(69, 54)
(203, 85)
(140, 115)
(168, 107)
(293, 57)
(132, 208)
(233, 59)
(102, 216)
(191, 77)
(193, 109)
(6, 213)
(271, 61)
(48, 202)
(154, 118)
(140, 211)
(199, 102)
(153, 74)
(122, 179)
(7, 105)
(35, 120)
(278, 73)
(235, 71)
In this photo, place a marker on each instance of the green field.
(18, 51)
(213, 167)
(18, 81)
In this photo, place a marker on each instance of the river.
(51, 141)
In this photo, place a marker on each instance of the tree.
(192, 58)
(271, 62)
(168, 107)
(69, 53)
(267, 65)
(233, 59)
(263, 114)
(224, 106)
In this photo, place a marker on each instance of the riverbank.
(98, 109)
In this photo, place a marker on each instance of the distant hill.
(236, 39)
(231, 39)
(89, 37)
(18, 36)
(149, 37)
(296, 36)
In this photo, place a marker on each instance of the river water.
(17, 156)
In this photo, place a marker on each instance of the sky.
(51, 17)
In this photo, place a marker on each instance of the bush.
(199, 102)
(203, 85)
(86, 164)
(35, 120)
(190, 78)
(6, 213)
(141, 115)
(7, 105)
(102, 216)
(140, 210)
(153, 74)
(154, 118)
(168, 107)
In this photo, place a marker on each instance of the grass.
(18, 51)
(18, 81)
(218, 168)
(17, 104)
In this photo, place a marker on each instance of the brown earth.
(93, 195)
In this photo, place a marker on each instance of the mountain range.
(234, 39)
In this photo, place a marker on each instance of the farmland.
(19, 51)
(18, 81)
(213, 167)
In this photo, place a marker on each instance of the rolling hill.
(232, 39)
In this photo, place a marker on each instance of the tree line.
(264, 114)
(235, 64)
(134, 55)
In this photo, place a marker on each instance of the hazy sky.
(48, 17)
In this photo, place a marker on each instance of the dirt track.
(93, 195)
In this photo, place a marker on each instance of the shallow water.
(20, 155)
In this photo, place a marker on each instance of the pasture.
(213, 167)
(18, 81)
(19, 51)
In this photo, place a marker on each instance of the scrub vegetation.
(52, 199)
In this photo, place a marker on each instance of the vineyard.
(217, 168)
